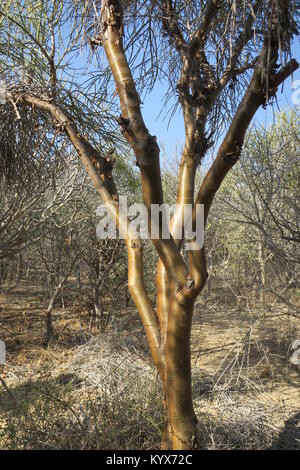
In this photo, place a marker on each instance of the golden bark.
(178, 285)
(168, 328)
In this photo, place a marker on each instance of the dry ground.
(99, 390)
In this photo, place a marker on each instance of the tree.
(261, 196)
(29, 164)
(223, 60)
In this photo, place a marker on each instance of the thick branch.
(263, 85)
(171, 26)
(98, 167)
(144, 145)
(230, 149)
(207, 19)
(100, 172)
(143, 304)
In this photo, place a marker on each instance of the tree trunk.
(181, 428)
(168, 326)
(49, 333)
(20, 267)
(78, 277)
(262, 266)
(175, 310)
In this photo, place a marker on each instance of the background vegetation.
(78, 373)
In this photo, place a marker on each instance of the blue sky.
(171, 134)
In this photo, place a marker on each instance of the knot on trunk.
(123, 123)
(189, 283)
(112, 14)
(232, 156)
(135, 243)
(95, 41)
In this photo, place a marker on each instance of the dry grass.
(60, 414)
(100, 391)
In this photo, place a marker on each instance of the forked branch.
(99, 168)
(142, 142)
